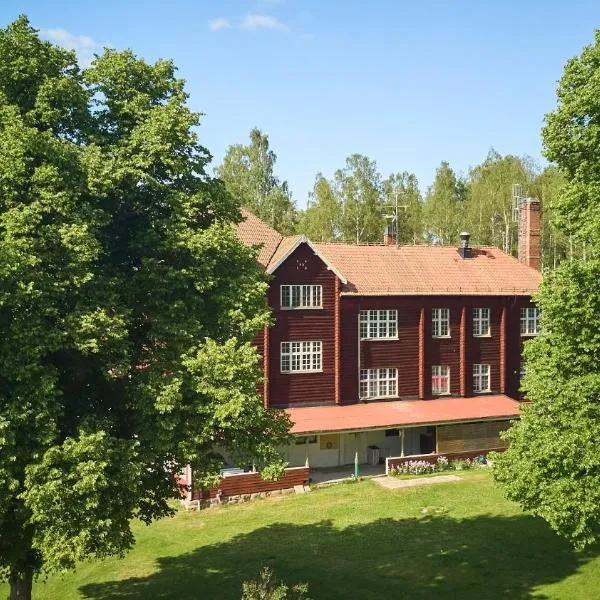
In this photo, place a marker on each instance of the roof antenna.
(517, 196)
(394, 216)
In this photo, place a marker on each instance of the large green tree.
(402, 190)
(443, 210)
(360, 193)
(552, 466)
(489, 209)
(556, 243)
(126, 306)
(248, 172)
(321, 221)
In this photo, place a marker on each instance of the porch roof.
(401, 413)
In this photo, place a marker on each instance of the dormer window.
(301, 296)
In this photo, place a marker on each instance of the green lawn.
(454, 540)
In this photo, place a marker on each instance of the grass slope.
(455, 540)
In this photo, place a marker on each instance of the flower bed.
(441, 465)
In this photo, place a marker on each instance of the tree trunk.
(20, 586)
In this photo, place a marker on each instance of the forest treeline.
(355, 203)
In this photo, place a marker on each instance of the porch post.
(402, 442)
(306, 451)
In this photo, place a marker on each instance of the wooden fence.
(251, 483)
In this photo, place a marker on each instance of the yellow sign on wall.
(330, 441)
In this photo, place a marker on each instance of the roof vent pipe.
(465, 251)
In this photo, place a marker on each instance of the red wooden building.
(413, 349)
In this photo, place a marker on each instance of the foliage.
(248, 174)
(571, 140)
(490, 206)
(127, 305)
(359, 190)
(556, 244)
(442, 463)
(552, 466)
(353, 206)
(404, 188)
(266, 587)
(321, 221)
(443, 208)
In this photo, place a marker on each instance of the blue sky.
(409, 84)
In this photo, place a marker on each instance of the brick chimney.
(389, 236)
(529, 251)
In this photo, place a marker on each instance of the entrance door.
(427, 441)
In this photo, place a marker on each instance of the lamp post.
(356, 465)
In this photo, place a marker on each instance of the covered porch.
(331, 436)
(373, 446)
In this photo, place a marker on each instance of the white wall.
(295, 455)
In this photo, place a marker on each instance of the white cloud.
(263, 22)
(84, 46)
(220, 23)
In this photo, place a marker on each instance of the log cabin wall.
(312, 324)
(501, 349)
(403, 353)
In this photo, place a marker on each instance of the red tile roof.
(431, 270)
(401, 413)
(285, 246)
(254, 232)
(378, 270)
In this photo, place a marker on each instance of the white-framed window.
(440, 380)
(440, 322)
(301, 296)
(522, 371)
(530, 321)
(300, 357)
(378, 324)
(481, 378)
(301, 440)
(378, 383)
(481, 322)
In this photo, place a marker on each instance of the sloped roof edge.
(304, 240)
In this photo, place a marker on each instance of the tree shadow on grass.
(434, 557)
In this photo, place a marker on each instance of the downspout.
(358, 339)
(266, 353)
(503, 349)
(336, 337)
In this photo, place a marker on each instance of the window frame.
(300, 356)
(478, 319)
(377, 382)
(438, 320)
(370, 322)
(311, 291)
(303, 440)
(480, 375)
(440, 377)
(522, 370)
(526, 319)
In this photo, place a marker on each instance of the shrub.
(442, 464)
(266, 587)
(414, 467)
